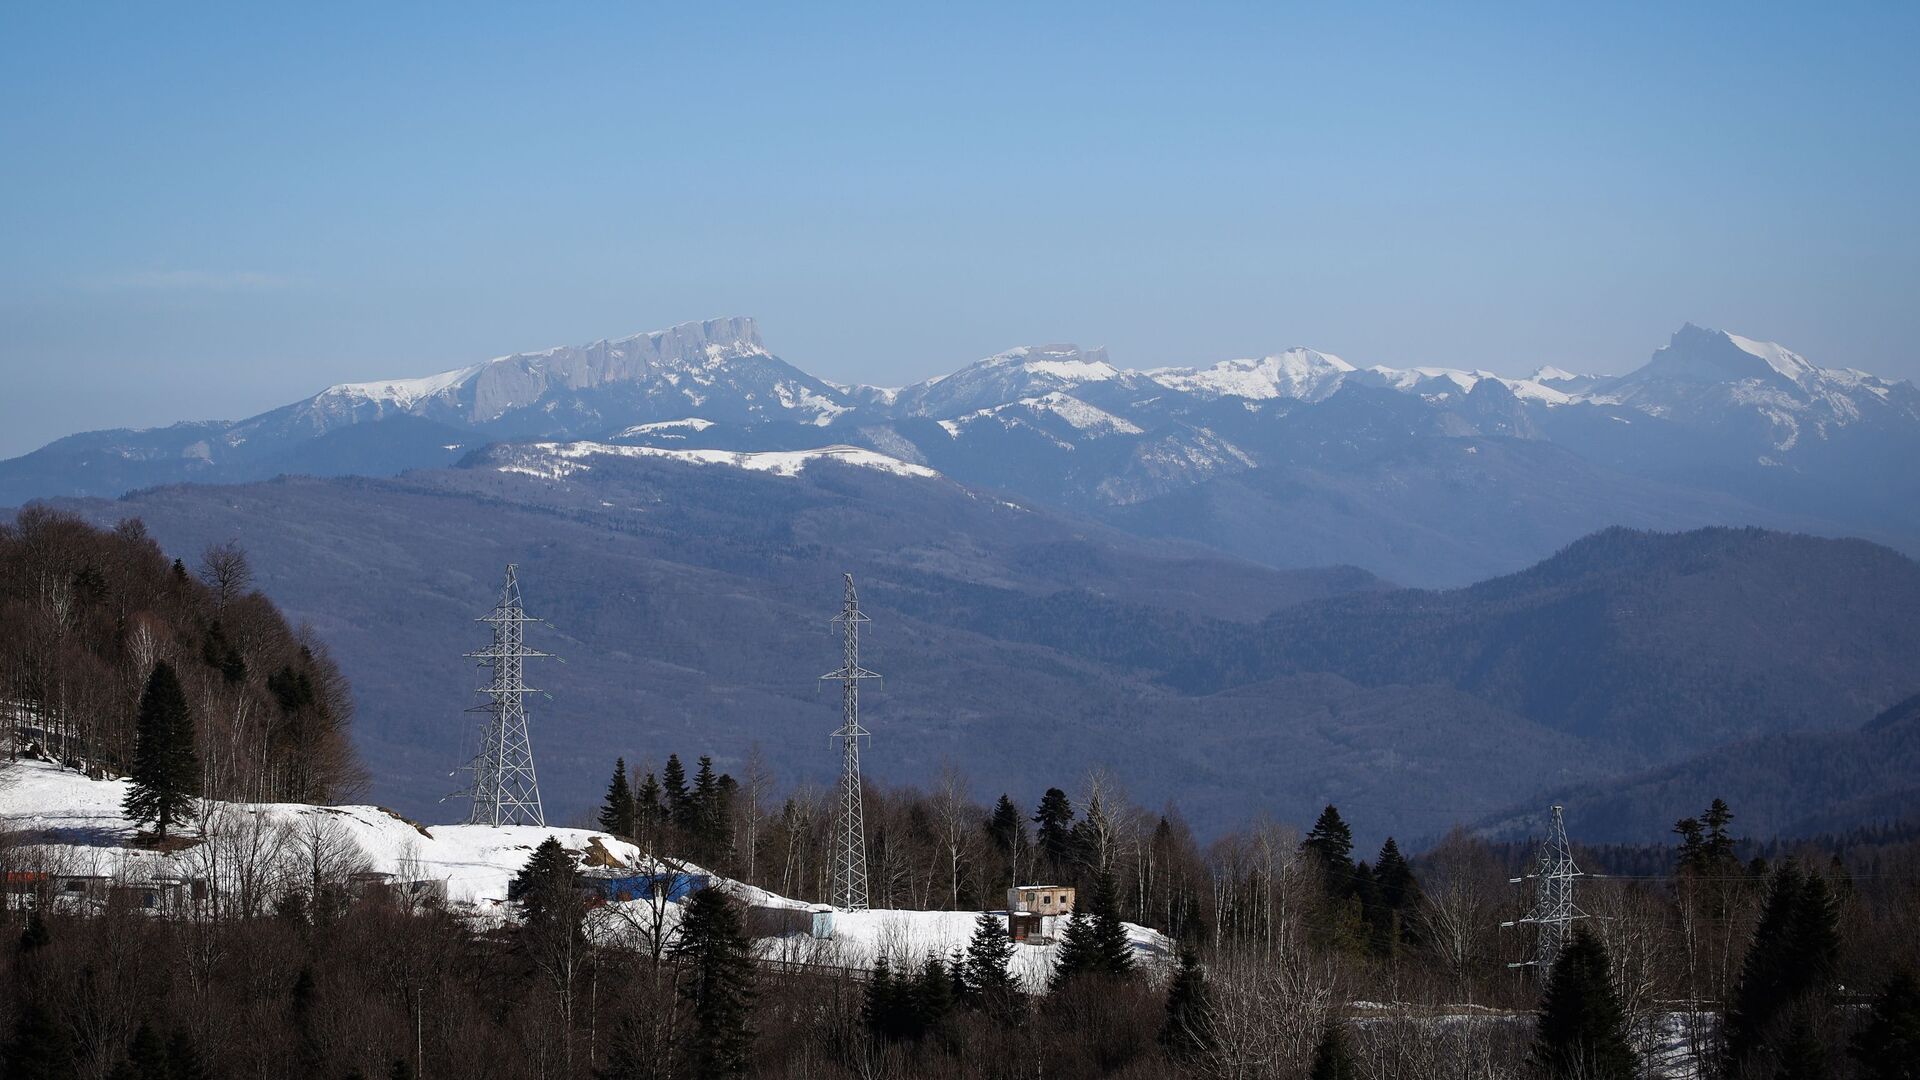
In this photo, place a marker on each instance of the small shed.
(822, 921)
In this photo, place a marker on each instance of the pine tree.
(989, 968)
(717, 984)
(1054, 818)
(1719, 842)
(1888, 1045)
(1582, 1030)
(1331, 844)
(166, 772)
(673, 784)
(617, 813)
(1333, 1056)
(1188, 1031)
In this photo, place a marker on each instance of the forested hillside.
(87, 613)
(1656, 643)
(1800, 784)
(1016, 642)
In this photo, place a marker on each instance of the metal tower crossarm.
(850, 840)
(1554, 911)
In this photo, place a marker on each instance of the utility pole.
(505, 791)
(1554, 911)
(850, 841)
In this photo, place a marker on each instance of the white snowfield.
(556, 461)
(70, 827)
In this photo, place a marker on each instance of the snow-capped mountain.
(718, 366)
(1716, 428)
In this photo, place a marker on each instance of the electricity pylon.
(850, 841)
(505, 791)
(1554, 911)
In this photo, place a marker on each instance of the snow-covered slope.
(76, 827)
(1300, 374)
(559, 460)
(720, 361)
(1028, 372)
(71, 827)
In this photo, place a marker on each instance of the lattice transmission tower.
(850, 841)
(505, 791)
(1554, 911)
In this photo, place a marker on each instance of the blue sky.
(209, 212)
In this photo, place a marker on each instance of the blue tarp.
(676, 886)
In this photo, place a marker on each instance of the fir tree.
(1112, 951)
(988, 967)
(617, 813)
(166, 772)
(1789, 960)
(1054, 818)
(1391, 894)
(880, 1010)
(707, 816)
(1075, 957)
(673, 785)
(1582, 1030)
(1333, 1056)
(1887, 1047)
(1188, 1031)
(932, 1000)
(1007, 833)
(1330, 843)
(1095, 943)
(648, 813)
(717, 984)
(548, 887)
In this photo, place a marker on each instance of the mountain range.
(1424, 475)
(1426, 594)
